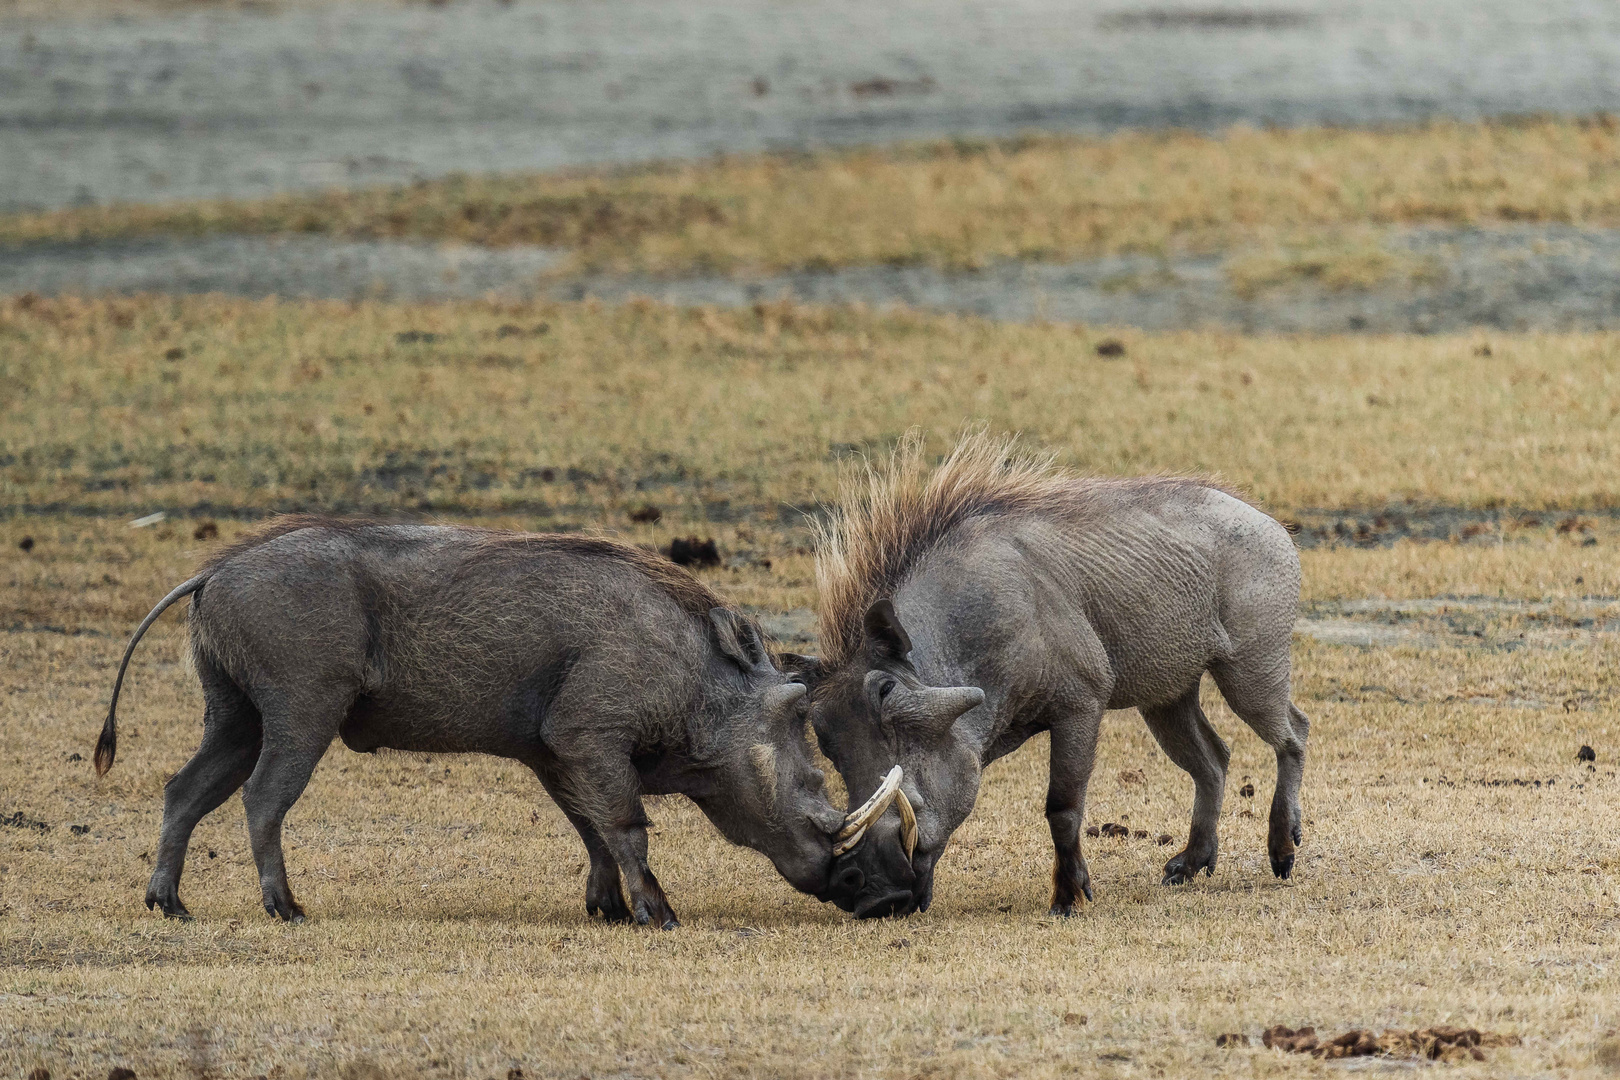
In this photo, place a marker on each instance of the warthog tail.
(107, 745)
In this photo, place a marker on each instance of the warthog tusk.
(908, 821)
(856, 824)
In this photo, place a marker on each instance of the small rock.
(646, 514)
(176, 353)
(205, 530)
(1111, 348)
(1234, 1038)
(1165, 838)
(26, 543)
(1586, 753)
(1247, 791)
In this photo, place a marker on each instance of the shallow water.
(236, 103)
(1516, 278)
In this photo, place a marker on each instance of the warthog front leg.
(603, 895)
(1074, 751)
(607, 796)
(1184, 733)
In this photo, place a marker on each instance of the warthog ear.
(804, 669)
(884, 633)
(739, 639)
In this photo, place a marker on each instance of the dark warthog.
(963, 612)
(607, 670)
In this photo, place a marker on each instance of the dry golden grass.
(447, 934)
(576, 413)
(1298, 195)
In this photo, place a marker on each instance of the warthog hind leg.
(297, 732)
(230, 746)
(1261, 698)
(1183, 732)
(1074, 751)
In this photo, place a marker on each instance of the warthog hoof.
(284, 908)
(1185, 866)
(611, 907)
(167, 898)
(1282, 852)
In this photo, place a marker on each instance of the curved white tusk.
(908, 821)
(857, 822)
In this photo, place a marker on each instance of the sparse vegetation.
(1456, 869)
(964, 203)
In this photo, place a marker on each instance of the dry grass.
(1291, 193)
(574, 413)
(447, 936)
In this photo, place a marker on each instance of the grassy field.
(1438, 883)
(1305, 202)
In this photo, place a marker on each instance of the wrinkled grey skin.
(561, 653)
(1123, 602)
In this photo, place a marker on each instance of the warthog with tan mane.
(965, 611)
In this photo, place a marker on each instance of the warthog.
(964, 612)
(607, 670)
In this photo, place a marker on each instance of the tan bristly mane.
(889, 516)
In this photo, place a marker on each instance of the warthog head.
(762, 788)
(893, 739)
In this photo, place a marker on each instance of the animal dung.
(1110, 348)
(26, 543)
(1586, 753)
(1140, 834)
(1118, 831)
(206, 530)
(1442, 1043)
(415, 337)
(79, 830)
(120, 1073)
(176, 353)
(646, 514)
(1292, 1040)
(40, 1073)
(691, 551)
(1074, 1019)
(1092, 830)
(1165, 838)
(1247, 791)
(1234, 1038)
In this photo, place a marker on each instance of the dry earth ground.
(448, 936)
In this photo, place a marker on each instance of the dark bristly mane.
(686, 590)
(889, 517)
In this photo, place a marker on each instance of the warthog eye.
(885, 688)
